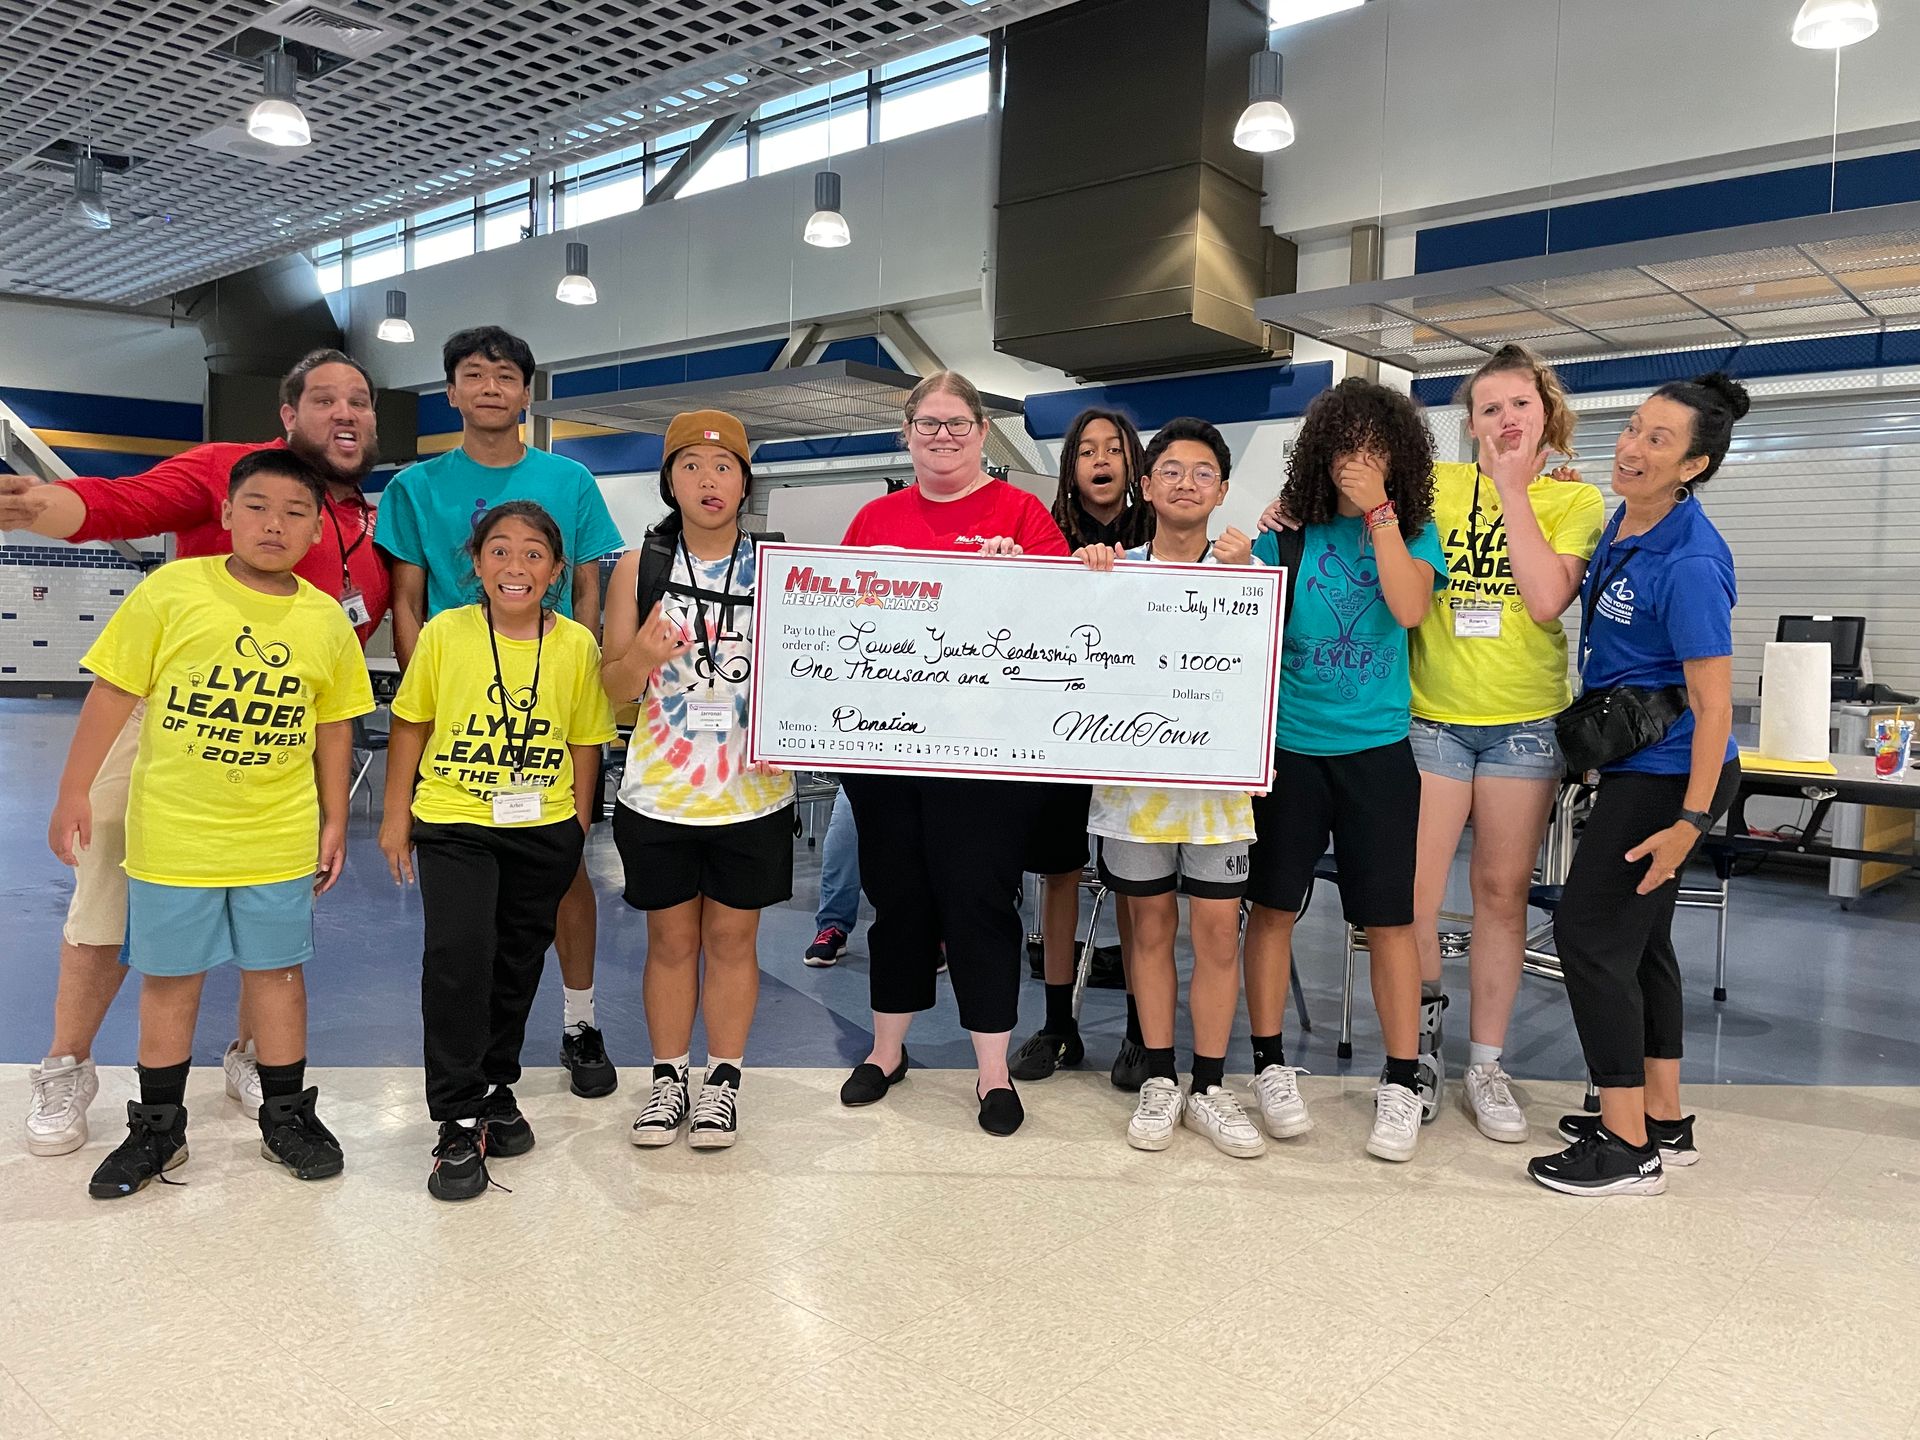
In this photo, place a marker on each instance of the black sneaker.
(1045, 1053)
(156, 1143)
(459, 1162)
(1674, 1137)
(827, 947)
(716, 1114)
(508, 1133)
(869, 1083)
(292, 1135)
(1601, 1164)
(584, 1052)
(660, 1119)
(1430, 1065)
(1129, 1071)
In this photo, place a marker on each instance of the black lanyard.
(1590, 596)
(1473, 519)
(346, 550)
(507, 707)
(699, 605)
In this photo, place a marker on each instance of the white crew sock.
(1478, 1054)
(579, 1007)
(678, 1062)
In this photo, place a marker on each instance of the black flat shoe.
(1001, 1111)
(869, 1082)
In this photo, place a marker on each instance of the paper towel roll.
(1796, 689)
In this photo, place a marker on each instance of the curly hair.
(1358, 415)
(1136, 516)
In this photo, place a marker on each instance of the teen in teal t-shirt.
(1345, 684)
(428, 511)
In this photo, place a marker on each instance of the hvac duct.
(1129, 235)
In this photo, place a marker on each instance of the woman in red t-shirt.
(940, 859)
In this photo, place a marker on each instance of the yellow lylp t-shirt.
(479, 732)
(223, 791)
(1465, 678)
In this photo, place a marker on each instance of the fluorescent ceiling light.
(1282, 13)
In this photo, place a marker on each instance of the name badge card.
(712, 716)
(1481, 623)
(923, 663)
(515, 807)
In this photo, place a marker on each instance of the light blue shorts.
(189, 929)
(1524, 750)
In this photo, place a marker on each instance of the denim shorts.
(190, 929)
(1524, 750)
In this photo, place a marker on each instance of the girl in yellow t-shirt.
(500, 717)
(706, 838)
(1489, 674)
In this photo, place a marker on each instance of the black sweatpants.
(490, 896)
(941, 862)
(1616, 947)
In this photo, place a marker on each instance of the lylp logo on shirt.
(1616, 602)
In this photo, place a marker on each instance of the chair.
(368, 741)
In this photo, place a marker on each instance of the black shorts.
(747, 865)
(1368, 803)
(1057, 840)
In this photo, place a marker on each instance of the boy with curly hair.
(1360, 486)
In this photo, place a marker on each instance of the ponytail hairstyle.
(537, 517)
(1556, 432)
(1717, 401)
(1136, 516)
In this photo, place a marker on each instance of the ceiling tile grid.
(457, 97)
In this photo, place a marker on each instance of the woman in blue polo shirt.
(1657, 614)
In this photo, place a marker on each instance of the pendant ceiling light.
(1834, 24)
(87, 208)
(827, 227)
(395, 329)
(575, 288)
(1264, 126)
(277, 120)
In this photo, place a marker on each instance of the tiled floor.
(894, 1272)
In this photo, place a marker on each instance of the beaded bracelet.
(1382, 514)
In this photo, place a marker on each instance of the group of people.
(1424, 663)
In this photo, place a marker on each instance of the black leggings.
(1616, 946)
(940, 860)
(489, 896)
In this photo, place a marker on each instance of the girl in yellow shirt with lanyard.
(1489, 674)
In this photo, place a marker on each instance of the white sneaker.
(62, 1089)
(243, 1078)
(1156, 1116)
(1490, 1101)
(1396, 1123)
(1216, 1114)
(1282, 1111)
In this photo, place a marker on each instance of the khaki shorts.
(97, 914)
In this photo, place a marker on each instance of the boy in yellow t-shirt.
(237, 815)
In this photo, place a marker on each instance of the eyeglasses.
(1204, 477)
(958, 428)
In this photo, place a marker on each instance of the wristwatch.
(1699, 819)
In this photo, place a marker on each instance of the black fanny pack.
(1605, 726)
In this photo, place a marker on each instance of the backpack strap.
(657, 553)
(1293, 549)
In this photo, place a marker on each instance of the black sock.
(1161, 1065)
(1060, 1019)
(1267, 1050)
(1402, 1072)
(1133, 1023)
(164, 1084)
(283, 1081)
(723, 1075)
(1208, 1070)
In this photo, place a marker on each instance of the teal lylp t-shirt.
(429, 510)
(1344, 681)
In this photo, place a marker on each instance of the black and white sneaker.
(1045, 1053)
(291, 1135)
(1601, 1164)
(507, 1132)
(156, 1143)
(1129, 1067)
(716, 1114)
(1430, 1064)
(1674, 1137)
(827, 947)
(583, 1050)
(459, 1162)
(660, 1119)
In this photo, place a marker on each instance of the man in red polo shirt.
(327, 411)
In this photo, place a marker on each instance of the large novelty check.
(911, 662)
